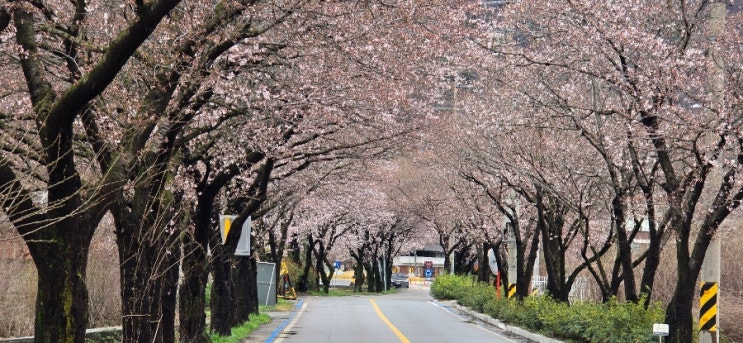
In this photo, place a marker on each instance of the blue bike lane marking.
(286, 322)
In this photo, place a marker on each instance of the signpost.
(428, 269)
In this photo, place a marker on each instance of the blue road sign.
(429, 273)
(337, 264)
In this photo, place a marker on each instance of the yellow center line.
(397, 332)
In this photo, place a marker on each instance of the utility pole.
(709, 295)
(510, 240)
(511, 250)
(710, 275)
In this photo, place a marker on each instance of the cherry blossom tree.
(655, 83)
(136, 94)
(55, 75)
(309, 112)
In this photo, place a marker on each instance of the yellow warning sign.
(225, 224)
(511, 290)
(708, 306)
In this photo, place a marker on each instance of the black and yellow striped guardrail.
(708, 306)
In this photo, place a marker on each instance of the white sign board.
(660, 330)
(492, 262)
(243, 245)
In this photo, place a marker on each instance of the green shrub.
(566, 321)
(477, 295)
(624, 322)
(295, 274)
(503, 309)
(450, 287)
(612, 322)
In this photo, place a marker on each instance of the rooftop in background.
(427, 251)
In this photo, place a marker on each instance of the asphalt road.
(411, 315)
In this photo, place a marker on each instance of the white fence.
(577, 291)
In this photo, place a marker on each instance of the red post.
(497, 284)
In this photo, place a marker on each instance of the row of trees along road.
(165, 113)
(603, 118)
(581, 123)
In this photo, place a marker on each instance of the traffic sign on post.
(243, 245)
(428, 272)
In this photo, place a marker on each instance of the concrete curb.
(505, 327)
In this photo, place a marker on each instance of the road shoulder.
(270, 331)
(512, 331)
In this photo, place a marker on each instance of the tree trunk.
(320, 264)
(223, 294)
(447, 263)
(303, 284)
(169, 291)
(149, 257)
(192, 293)
(501, 258)
(525, 265)
(371, 280)
(358, 277)
(60, 253)
(138, 293)
(624, 249)
(679, 313)
(246, 290)
(62, 297)
(483, 270)
(679, 310)
(358, 269)
(652, 261)
(294, 250)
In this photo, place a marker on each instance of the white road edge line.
(447, 310)
(479, 326)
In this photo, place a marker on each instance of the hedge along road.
(410, 315)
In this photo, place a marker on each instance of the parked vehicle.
(400, 281)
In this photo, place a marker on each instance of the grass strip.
(243, 330)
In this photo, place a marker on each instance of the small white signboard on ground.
(660, 330)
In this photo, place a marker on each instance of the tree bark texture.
(246, 290)
(62, 297)
(192, 293)
(223, 292)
